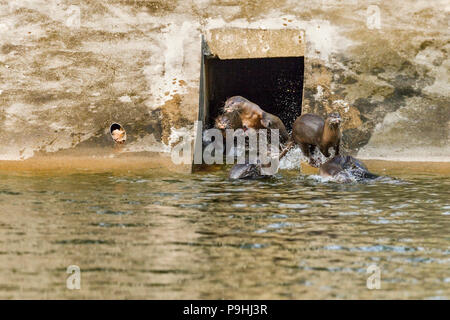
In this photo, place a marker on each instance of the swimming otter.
(345, 169)
(246, 171)
(310, 130)
(230, 120)
(271, 121)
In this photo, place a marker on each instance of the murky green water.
(205, 237)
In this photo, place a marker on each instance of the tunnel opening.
(115, 126)
(275, 84)
(118, 133)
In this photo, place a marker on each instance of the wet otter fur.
(251, 114)
(310, 131)
(271, 121)
(230, 120)
(246, 171)
(345, 169)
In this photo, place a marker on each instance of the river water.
(201, 236)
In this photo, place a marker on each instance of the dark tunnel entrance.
(275, 84)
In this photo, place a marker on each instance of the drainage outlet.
(118, 133)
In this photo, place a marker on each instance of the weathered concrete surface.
(138, 62)
(237, 43)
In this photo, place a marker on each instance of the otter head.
(334, 120)
(234, 103)
(266, 121)
(222, 122)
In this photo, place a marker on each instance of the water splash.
(292, 159)
(318, 158)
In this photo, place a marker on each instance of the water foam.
(295, 156)
(292, 159)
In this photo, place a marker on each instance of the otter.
(310, 131)
(230, 120)
(251, 114)
(271, 121)
(246, 171)
(345, 169)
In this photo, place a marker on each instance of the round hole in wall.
(118, 133)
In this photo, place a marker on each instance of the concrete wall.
(68, 69)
